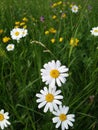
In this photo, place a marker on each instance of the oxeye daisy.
(54, 74)
(24, 32)
(16, 34)
(10, 47)
(4, 119)
(94, 31)
(74, 8)
(61, 117)
(49, 98)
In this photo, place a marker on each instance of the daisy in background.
(49, 97)
(24, 32)
(74, 8)
(4, 119)
(10, 47)
(94, 31)
(61, 117)
(54, 74)
(16, 34)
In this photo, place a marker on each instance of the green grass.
(20, 77)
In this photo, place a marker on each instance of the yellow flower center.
(62, 117)
(16, 33)
(96, 31)
(1, 117)
(54, 73)
(49, 97)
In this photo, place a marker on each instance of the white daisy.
(62, 118)
(16, 34)
(53, 73)
(74, 8)
(49, 98)
(4, 119)
(10, 47)
(24, 32)
(94, 31)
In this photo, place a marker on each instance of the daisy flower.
(54, 74)
(94, 31)
(4, 119)
(24, 32)
(61, 117)
(74, 8)
(49, 98)
(16, 33)
(10, 47)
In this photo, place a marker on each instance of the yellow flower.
(16, 26)
(22, 23)
(59, 3)
(74, 41)
(63, 15)
(53, 40)
(54, 17)
(25, 26)
(1, 31)
(6, 39)
(60, 39)
(54, 5)
(25, 19)
(46, 32)
(17, 23)
(52, 30)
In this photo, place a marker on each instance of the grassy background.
(20, 78)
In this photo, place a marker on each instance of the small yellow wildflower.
(25, 26)
(53, 40)
(16, 26)
(46, 32)
(59, 3)
(17, 23)
(1, 31)
(63, 15)
(25, 19)
(60, 39)
(6, 39)
(22, 23)
(54, 17)
(54, 5)
(52, 30)
(74, 42)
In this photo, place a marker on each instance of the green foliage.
(20, 77)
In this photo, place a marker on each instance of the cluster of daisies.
(16, 34)
(54, 75)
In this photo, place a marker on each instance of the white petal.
(46, 108)
(41, 104)
(57, 102)
(52, 84)
(58, 82)
(66, 109)
(55, 106)
(57, 92)
(62, 79)
(40, 100)
(58, 124)
(39, 95)
(59, 97)
(58, 64)
(55, 119)
(65, 124)
(64, 74)
(69, 123)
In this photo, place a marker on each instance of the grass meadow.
(50, 29)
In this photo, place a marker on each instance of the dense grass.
(20, 77)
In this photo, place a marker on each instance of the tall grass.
(20, 77)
